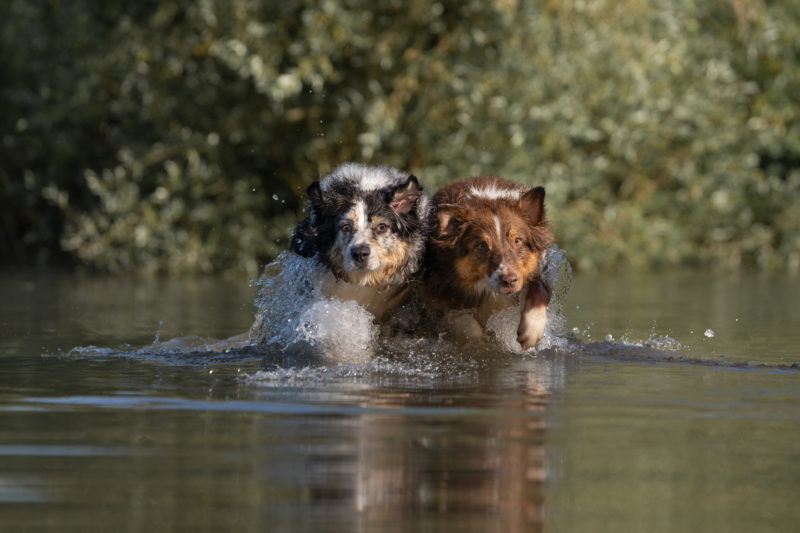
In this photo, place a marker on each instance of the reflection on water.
(176, 447)
(651, 430)
(484, 461)
(677, 448)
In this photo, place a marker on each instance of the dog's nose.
(360, 253)
(508, 279)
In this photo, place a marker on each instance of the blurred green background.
(178, 137)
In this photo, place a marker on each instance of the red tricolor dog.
(483, 255)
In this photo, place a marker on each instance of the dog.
(367, 225)
(487, 238)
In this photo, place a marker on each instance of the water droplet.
(253, 189)
(275, 197)
(709, 333)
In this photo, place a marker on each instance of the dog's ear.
(314, 194)
(450, 217)
(326, 203)
(532, 205)
(405, 196)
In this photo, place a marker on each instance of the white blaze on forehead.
(497, 227)
(492, 192)
(361, 236)
(361, 222)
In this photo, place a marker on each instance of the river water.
(137, 405)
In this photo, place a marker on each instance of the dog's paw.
(531, 326)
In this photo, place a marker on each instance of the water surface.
(644, 422)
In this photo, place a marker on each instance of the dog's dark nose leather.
(360, 253)
(508, 279)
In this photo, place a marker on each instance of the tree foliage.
(180, 136)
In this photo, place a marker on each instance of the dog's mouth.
(507, 290)
(357, 266)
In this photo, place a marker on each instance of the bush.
(179, 137)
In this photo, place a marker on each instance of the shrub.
(179, 137)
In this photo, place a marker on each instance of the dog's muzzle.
(360, 254)
(508, 281)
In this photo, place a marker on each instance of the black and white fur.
(367, 225)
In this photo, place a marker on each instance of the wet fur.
(483, 255)
(368, 226)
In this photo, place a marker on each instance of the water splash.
(158, 333)
(293, 314)
(434, 369)
(419, 363)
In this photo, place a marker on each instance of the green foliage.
(157, 137)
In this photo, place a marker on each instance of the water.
(640, 422)
(293, 315)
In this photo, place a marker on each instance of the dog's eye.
(482, 246)
(345, 228)
(517, 241)
(381, 228)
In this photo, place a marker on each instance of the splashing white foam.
(342, 331)
(293, 314)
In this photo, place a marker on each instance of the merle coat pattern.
(368, 226)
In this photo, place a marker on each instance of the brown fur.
(484, 249)
(390, 258)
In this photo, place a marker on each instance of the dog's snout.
(360, 253)
(508, 279)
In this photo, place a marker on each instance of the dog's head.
(367, 224)
(495, 243)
